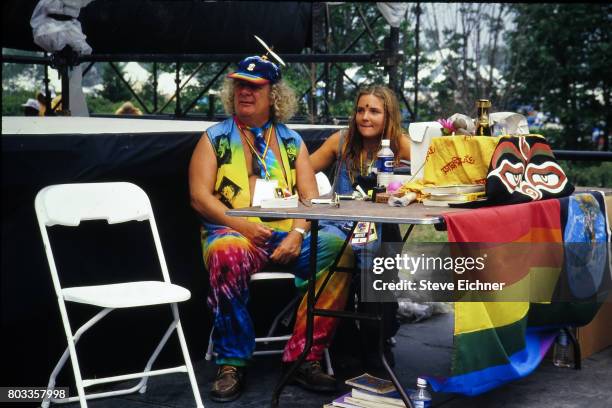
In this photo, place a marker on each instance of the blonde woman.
(376, 116)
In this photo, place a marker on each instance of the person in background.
(250, 149)
(128, 109)
(40, 97)
(31, 107)
(353, 151)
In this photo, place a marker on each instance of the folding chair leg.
(142, 385)
(282, 314)
(328, 364)
(209, 349)
(60, 364)
(73, 356)
(190, 373)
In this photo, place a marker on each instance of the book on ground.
(454, 189)
(369, 404)
(389, 399)
(342, 403)
(367, 399)
(370, 383)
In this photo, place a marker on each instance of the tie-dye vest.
(232, 184)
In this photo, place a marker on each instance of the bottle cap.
(385, 143)
(483, 103)
(421, 382)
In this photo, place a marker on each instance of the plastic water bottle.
(421, 398)
(384, 164)
(563, 353)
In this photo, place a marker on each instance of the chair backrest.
(115, 202)
(323, 184)
(69, 204)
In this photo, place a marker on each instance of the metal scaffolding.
(389, 57)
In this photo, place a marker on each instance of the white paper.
(285, 202)
(264, 190)
(509, 123)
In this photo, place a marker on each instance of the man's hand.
(288, 249)
(256, 233)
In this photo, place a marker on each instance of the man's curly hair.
(284, 102)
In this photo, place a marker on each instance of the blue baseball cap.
(257, 70)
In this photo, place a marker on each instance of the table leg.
(385, 364)
(381, 353)
(577, 352)
(314, 235)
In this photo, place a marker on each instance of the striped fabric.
(248, 77)
(497, 342)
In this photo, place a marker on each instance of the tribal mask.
(524, 169)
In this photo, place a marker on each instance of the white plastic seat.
(130, 294)
(68, 205)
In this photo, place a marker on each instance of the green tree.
(12, 100)
(114, 89)
(471, 52)
(345, 24)
(560, 62)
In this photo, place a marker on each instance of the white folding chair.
(323, 184)
(68, 205)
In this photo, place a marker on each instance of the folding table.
(355, 211)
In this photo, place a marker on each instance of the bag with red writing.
(453, 160)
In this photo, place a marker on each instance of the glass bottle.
(563, 351)
(483, 126)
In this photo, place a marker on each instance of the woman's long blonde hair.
(392, 128)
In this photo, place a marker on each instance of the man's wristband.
(301, 231)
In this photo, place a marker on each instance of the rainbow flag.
(497, 342)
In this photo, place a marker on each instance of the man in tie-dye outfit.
(226, 164)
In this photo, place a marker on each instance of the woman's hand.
(257, 233)
(288, 249)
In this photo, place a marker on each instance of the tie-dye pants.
(230, 259)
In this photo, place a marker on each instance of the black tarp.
(32, 335)
(174, 27)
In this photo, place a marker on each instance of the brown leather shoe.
(310, 376)
(228, 385)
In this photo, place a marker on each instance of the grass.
(424, 233)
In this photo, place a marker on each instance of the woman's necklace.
(366, 169)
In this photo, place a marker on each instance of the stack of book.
(369, 392)
(442, 196)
